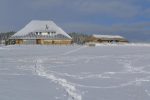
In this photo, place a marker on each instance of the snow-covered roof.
(40, 25)
(108, 36)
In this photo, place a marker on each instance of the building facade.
(107, 39)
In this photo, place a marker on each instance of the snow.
(107, 36)
(104, 72)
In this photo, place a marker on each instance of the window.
(53, 32)
(36, 33)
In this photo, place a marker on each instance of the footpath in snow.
(71, 91)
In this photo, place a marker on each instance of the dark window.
(53, 32)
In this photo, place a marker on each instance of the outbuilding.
(107, 39)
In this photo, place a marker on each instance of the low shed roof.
(108, 36)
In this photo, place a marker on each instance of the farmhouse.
(107, 39)
(41, 32)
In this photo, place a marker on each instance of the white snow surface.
(40, 25)
(104, 72)
(107, 36)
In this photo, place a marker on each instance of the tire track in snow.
(135, 82)
(69, 88)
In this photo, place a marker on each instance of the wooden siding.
(39, 41)
(19, 41)
(53, 42)
(47, 42)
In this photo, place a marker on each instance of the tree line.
(80, 38)
(4, 36)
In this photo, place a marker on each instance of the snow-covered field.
(105, 72)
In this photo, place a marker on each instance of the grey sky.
(89, 16)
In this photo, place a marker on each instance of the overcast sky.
(123, 17)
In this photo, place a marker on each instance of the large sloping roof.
(41, 26)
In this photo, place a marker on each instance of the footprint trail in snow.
(70, 89)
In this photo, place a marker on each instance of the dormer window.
(45, 33)
(53, 32)
(36, 33)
